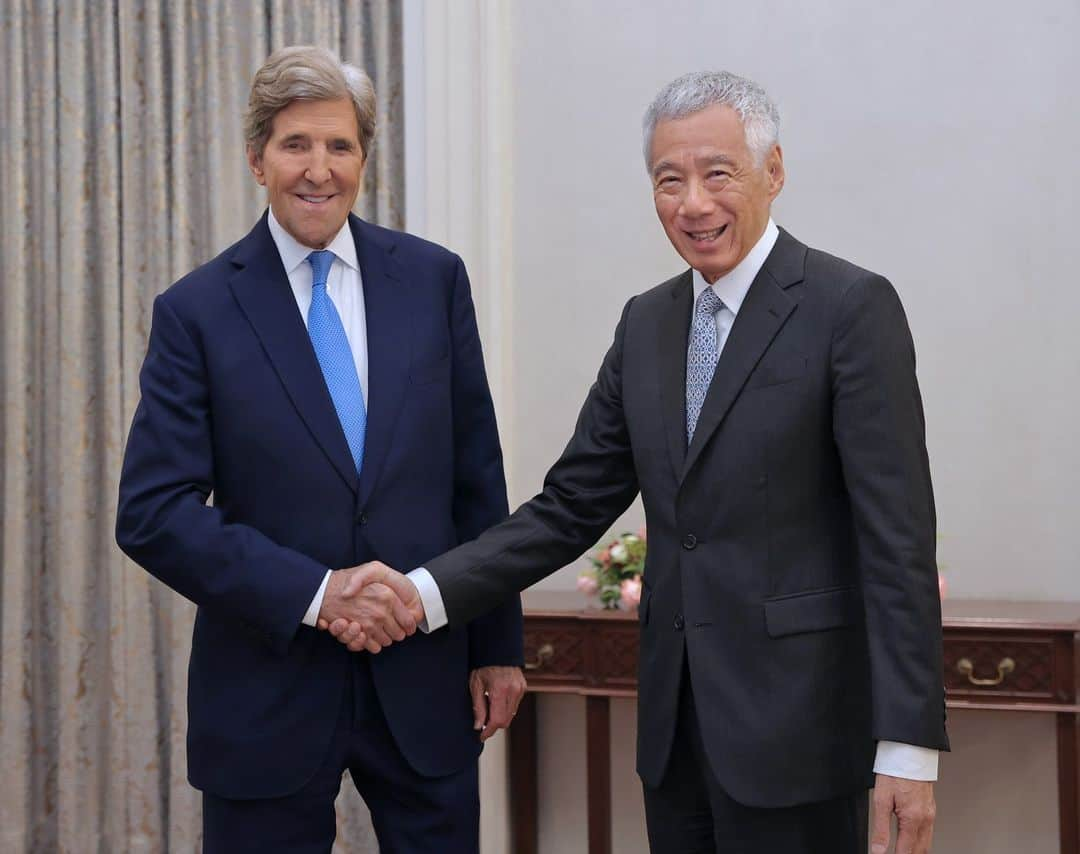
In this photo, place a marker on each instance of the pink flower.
(641, 532)
(604, 556)
(586, 583)
(941, 585)
(630, 592)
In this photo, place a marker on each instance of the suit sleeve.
(495, 638)
(586, 490)
(879, 431)
(163, 522)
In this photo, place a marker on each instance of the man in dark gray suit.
(764, 402)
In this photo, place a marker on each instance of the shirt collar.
(733, 286)
(294, 253)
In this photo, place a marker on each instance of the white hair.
(699, 90)
(306, 73)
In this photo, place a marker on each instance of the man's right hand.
(370, 606)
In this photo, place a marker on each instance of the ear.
(774, 171)
(255, 165)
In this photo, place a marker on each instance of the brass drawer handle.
(1004, 668)
(544, 654)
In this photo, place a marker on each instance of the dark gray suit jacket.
(791, 546)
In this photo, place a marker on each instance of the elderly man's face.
(712, 200)
(312, 167)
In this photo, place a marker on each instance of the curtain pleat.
(122, 169)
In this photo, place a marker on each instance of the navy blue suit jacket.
(234, 404)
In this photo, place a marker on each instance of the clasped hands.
(369, 607)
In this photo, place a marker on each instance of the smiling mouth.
(706, 236)
(315, 200)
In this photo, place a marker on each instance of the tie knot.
(708, 303)
(320, 262)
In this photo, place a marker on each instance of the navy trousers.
(411, 814)
(690, 813)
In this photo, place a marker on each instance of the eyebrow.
(708, 161)
(661, 166)
(303, 137)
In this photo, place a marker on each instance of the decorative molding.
(459, 169)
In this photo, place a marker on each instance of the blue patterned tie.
(335, 358)
(701, 356)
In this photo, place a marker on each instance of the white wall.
(935, 143)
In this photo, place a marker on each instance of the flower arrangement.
(615, 572)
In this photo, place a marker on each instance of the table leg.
(523, 794)
(1068, 785)
(598, 747)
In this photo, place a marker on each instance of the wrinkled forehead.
(713, 135)
(321, 117)
(690, 161)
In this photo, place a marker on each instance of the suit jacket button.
(679, 622)
(361, 519)
(689, 542)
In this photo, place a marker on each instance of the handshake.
(370, 606)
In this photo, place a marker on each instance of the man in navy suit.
(323, 379)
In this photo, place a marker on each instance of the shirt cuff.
(430, 598)
(311, 618)
(907, 761)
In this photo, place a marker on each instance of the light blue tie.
(701, 356)
(335, 357)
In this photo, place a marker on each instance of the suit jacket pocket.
(777, 374)
(429, 370)
(812, 611)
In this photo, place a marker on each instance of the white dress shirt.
(895, 759)
(733, 287)
(345, 288)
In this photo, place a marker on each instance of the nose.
(318, 170)
(696, 200)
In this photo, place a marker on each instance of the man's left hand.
(496, 693)
(913, 803)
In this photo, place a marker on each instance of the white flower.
(618, 553)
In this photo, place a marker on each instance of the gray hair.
(700, 90)
(306, 73)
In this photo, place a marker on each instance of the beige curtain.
(121, 168)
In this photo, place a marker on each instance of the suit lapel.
(389, 341)
(262, 289)
(764, 311)
(672, 332)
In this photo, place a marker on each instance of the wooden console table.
(1001, 656)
